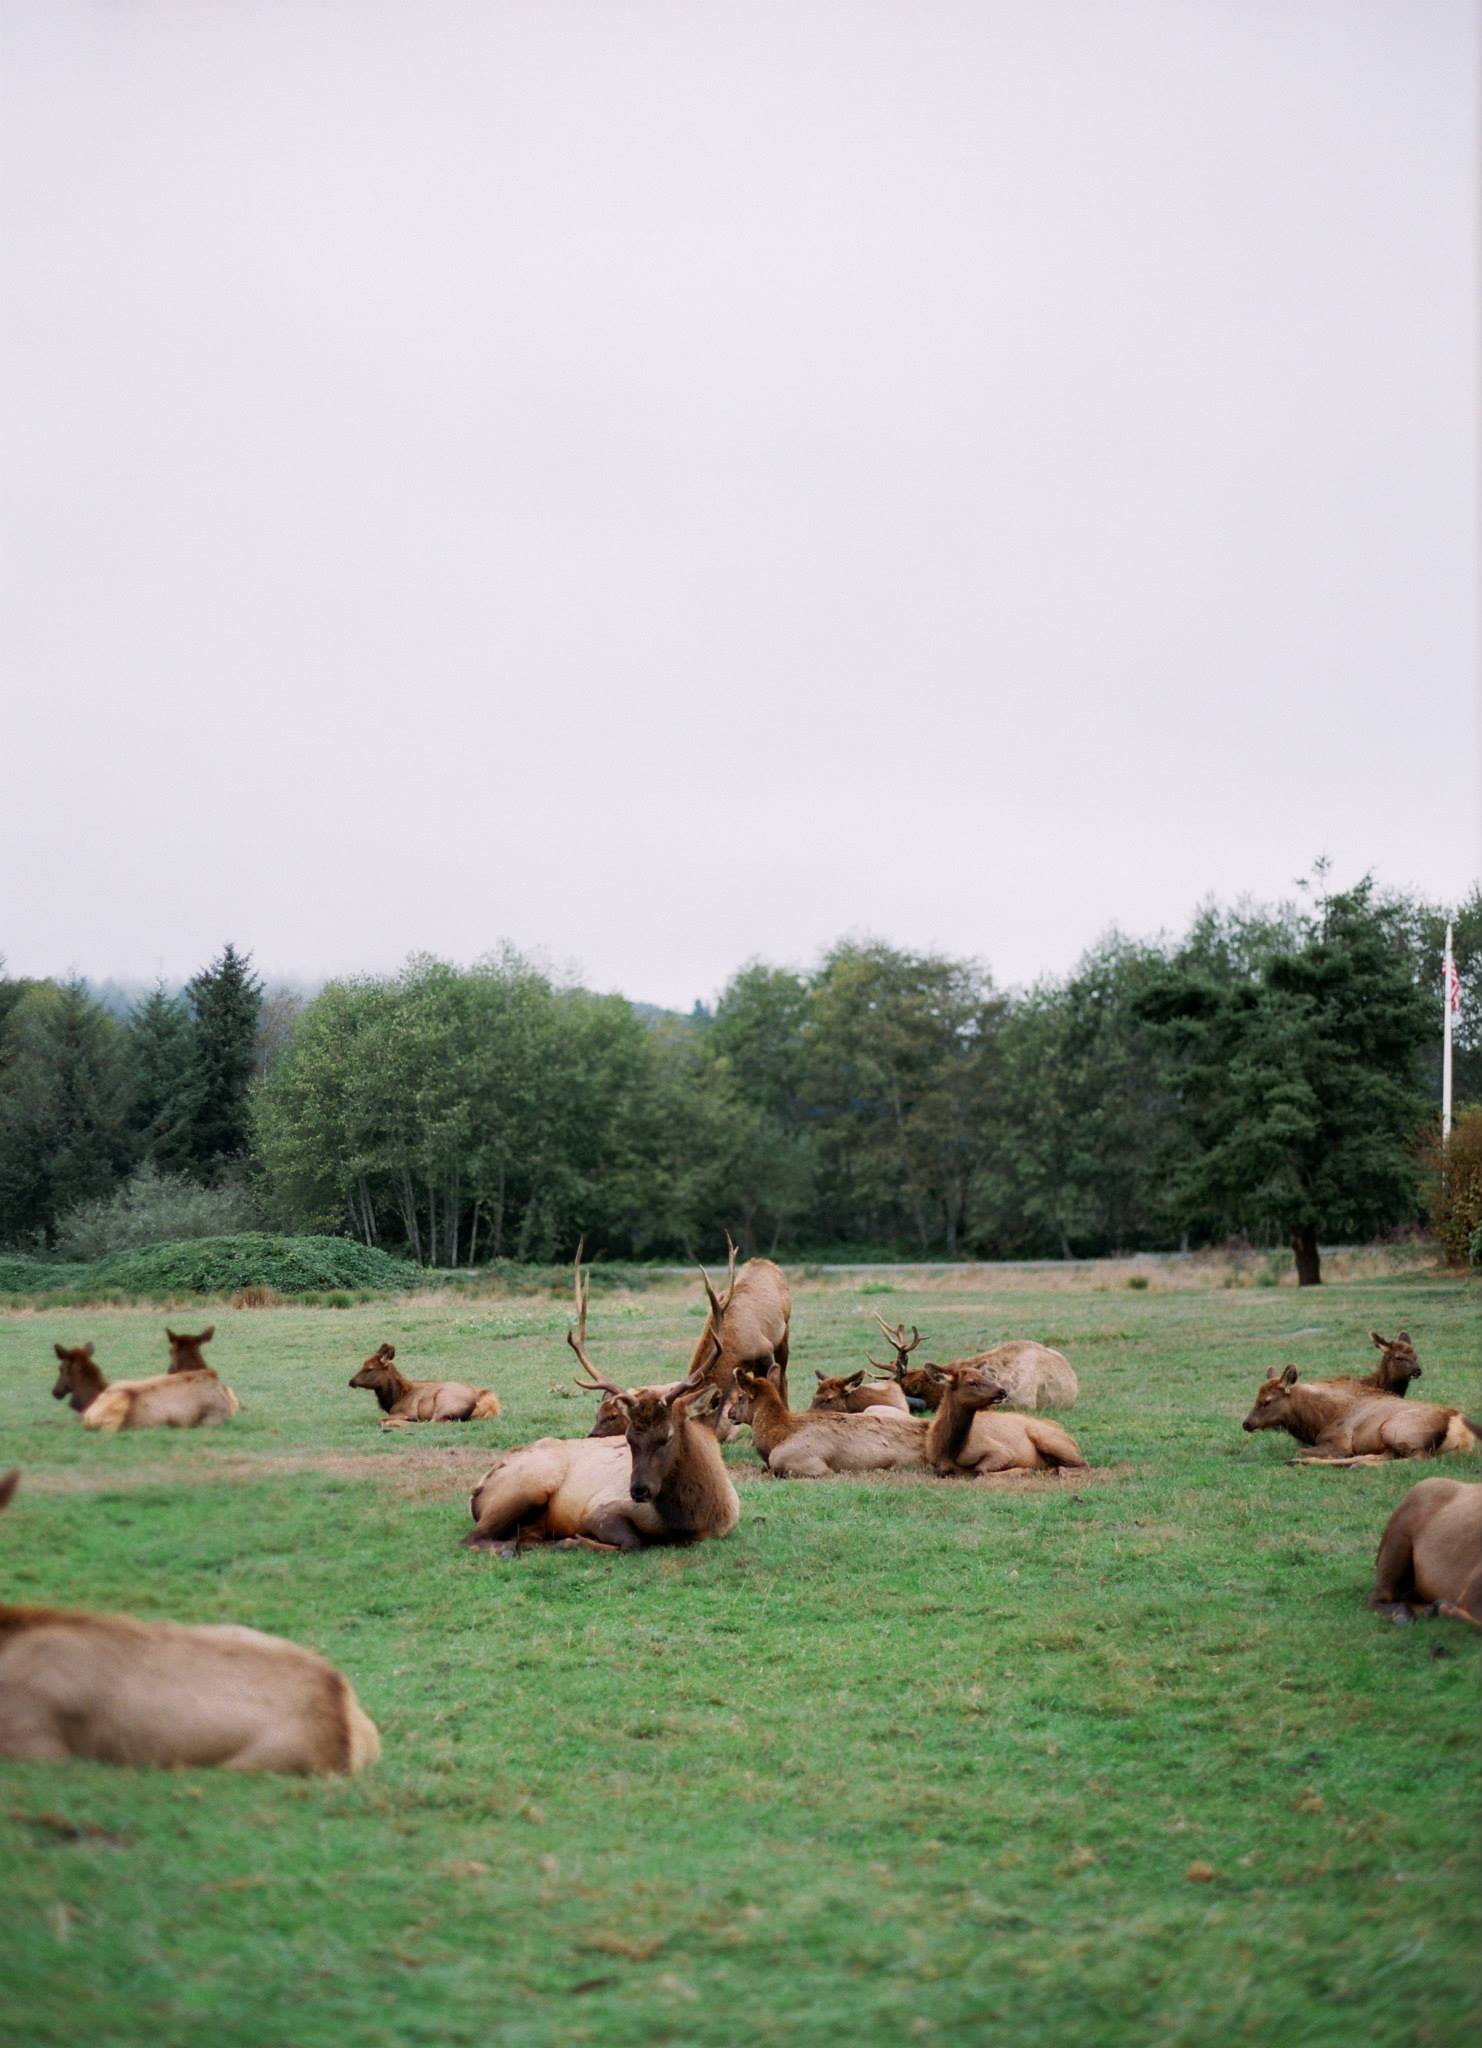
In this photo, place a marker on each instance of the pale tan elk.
(815, 1444)
(111, 1689)
(662, 1481)
(1430, 1555)
(404, 1401)
(1346, 1425)
(964, 1437)
(749, 1325)
(185, 1352)
(851, 1394)
(174, 1400)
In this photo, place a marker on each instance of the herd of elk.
(1344, 1423)
(178, 1399)
(1031, 1375)
(816, 1443)
(404, 1401)
(112, 1689)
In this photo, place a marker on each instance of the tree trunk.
(1304, 1249)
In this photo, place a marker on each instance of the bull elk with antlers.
(1031, 1375)
(748, 1326)
(172, 1400)
(662, 1481)
(119, 1691)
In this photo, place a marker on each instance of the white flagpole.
(1447, 971)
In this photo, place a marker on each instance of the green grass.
(899, 1761)
(209, 1267)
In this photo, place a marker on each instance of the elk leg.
(610, 1531)
(1336, 1459)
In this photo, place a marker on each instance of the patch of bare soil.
(417, 1472)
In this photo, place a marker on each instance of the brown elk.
(405, 1401)
(111, 1689)
(707, 1410)
(814, 1444)
(174, 1400)
(1344, 1425)
(915, 1381)
(1397, 1367)
(662, 1481)
(851, 1394)
(1430, 1555)
(185, 1352)
(749, 1325)
(964, 1437)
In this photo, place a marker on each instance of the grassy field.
(1117, 1761)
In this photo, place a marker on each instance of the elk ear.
(1403, 1337)
(1289, 1376)
(207, 1334)
(820, 1377)
(854, 1379)
(1271, 1372)
(61, 1352)
(8, 1486)
(388, 1352)
(170, 1336)
(87, 1350)
(1375, 1338)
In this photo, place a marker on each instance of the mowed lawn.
(1121, 1760)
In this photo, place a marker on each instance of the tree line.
(1268, 1075)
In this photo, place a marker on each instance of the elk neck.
(948, 1429)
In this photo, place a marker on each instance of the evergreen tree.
(64, 1089)
(225, 999)
(161, 1053)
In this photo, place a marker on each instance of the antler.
(719, 1304)
(897, 1338)
(577, 1338)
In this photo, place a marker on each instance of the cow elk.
(1346, 1425)
(185, 1352)
(111, 1689)
(815, 1444)
(405, 1401)
(851, 1394)
(1430, 1555)
(1397, 1366)
(174, 1400)
(662, 1481)
(965, 1437)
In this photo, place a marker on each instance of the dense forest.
(1272, 1074)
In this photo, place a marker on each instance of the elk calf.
(115, 1690)
(405, 1401)
(1397, 1367)
(814, 1444)
(185, 1352)
(964, 1437)
(1430, 1555)
(1346, 1425)
(175, 1400)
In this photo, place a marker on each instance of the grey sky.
(664, 484)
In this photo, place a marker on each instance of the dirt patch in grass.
(416, 1472)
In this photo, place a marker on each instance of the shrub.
(215, 1265)
(1453, 1184)
(151, 1207)
(1137, 1281)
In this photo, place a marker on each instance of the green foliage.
(225, 999)
(64, 1099)
(1452, 1183)
(163, 1109)
(212, 1266)
(152, 1208)
(898, 1762)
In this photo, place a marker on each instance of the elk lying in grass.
(1031, 1375)
(1344, 1425)
(748, 1326)
(405, 1401)
(814, 1444)
(185, 1352)
(1430, 1555)
(706, 1410)
(175, 1400)
(1397, 1367)
(851, 1394)
(964, 1437)
(662, 1481)
(115, 1690)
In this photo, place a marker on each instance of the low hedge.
(213, 1266)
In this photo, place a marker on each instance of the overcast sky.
(667, 484)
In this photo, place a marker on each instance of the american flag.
(1453, 983)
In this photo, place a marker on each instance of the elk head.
(916, 1382)
(78, 1377)
(376, 1370)
(1398, 1364)
(831, 1396)
(185, 1352)
(1273, 1402)
(972, 1387)
(651, 1418)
